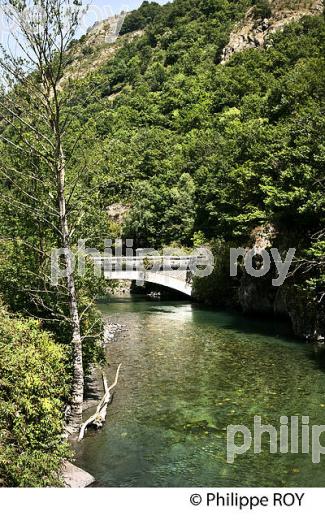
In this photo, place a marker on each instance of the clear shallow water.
(187, 373)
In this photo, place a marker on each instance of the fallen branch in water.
(99, 417)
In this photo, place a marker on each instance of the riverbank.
(73, 476)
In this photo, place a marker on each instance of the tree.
(263, 9)
(40, 176)
(139, 18)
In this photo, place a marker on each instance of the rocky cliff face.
(253, 32)
(259, 296)
(106, 31)
(97, 46)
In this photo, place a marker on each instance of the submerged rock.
(110, 331)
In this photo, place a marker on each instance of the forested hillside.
(194, 151)
(200, 150)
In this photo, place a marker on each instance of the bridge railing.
(146, 263)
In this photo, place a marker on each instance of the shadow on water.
(274, 327)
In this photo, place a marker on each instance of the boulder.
(75, 477)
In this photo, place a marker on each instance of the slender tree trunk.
(78, 372)
(43, 46)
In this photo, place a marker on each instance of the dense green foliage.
(195, 146)
(263, 8)
(139, 19)
(198, 150)
(225, 147)
(33, 386)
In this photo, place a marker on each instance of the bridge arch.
(158, 278)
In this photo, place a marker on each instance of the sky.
(119, 5)
(101, 9)
(98, 10)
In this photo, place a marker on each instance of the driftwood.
(99, 417)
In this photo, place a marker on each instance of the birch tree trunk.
(78, 372)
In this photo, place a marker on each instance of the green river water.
(187, 373)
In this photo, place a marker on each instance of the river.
(187, 373)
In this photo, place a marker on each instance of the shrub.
(33, 386)
(263, 9)
(141, 17)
